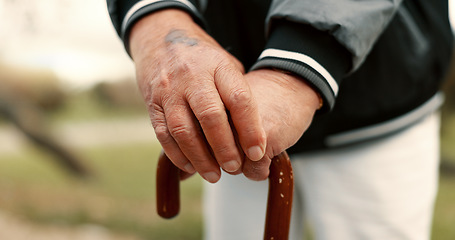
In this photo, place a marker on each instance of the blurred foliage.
(39, 86)
(121, 94)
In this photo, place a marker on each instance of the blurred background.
(77, 151)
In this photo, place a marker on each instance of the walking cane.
(279, 201)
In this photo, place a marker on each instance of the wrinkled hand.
(287, 106)
(200, 105)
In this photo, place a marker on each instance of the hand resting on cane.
(206, 113)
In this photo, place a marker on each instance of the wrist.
(320, 99)
(304, 84)
(149, 32)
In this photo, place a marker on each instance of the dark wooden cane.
(279, 203)
(167, 188)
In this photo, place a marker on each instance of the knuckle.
(183, 68)
(225, 153)
(180, 131)
(225, 150)
(162, 134)
(240, 96)
(210, 115)
(159, 123)
(155, 109)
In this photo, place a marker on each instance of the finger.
(257, 170)
(214, 122)
(243, 111)
(168, 144)
(187, 134)
(242, 154)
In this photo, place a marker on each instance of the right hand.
(193, 89)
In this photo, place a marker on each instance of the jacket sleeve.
(323, 41)
(124, 13)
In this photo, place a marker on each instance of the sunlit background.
(72, 38)
(77, 152)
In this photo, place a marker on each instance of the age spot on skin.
(176, 36)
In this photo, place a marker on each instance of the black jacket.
(377, 64)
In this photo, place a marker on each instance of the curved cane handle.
(279, 203)
(167, 188)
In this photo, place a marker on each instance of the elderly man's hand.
(286, 105)
(200, 104)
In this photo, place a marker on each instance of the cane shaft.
(167, 188)
(279, 203)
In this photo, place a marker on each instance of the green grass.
(120, 197)
(443, 224)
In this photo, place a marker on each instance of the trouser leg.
(234, 208)
(383, 189)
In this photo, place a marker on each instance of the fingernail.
(212, 177)
(231, 166)
(189, 168)
(255, 153)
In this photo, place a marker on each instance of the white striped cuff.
(307, 60)
(136, 7)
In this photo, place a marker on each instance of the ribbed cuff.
(311, 54)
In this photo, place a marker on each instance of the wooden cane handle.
(167, 188)
(279, 203)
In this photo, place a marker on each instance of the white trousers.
(381, 189)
